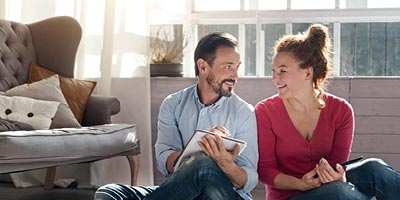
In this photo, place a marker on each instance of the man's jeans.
(197, 178)
(366, 179)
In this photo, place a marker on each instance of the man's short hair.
(208, 45)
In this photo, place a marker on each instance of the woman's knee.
(369, 166)
(331, 191)
(375, 163)
(341, 190)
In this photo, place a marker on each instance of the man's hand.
(220, 130)
(215, 148)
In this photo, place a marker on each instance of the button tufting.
(8, 111)
(30, 114)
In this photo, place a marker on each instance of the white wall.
(2, 9)
(134, 95)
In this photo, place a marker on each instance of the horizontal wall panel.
(339, 87)
(163, 86)
(376, 103)
(375, 107)
(391, 159)
(254, 90)
(377, 125)
(376, 143)
(375, 87)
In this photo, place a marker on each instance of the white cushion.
(36, 113)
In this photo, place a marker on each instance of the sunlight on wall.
(14, 10)
(131, 38)
(313, 4)
(204, 5)
(94, 17)
(92, 63)
(170, 6)
(65, 7)
(272, 5)
(383, 4)
(135, 12)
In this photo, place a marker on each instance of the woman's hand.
(327, 174)
(310, 181)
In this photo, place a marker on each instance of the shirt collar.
(197, 98)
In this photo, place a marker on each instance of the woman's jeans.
(366, 179)
(197, 178)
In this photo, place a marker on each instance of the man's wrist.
(171, 161)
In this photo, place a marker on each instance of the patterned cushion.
(36, 113)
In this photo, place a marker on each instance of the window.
(370, 49)
(365, 33)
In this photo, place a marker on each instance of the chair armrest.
(100, 109)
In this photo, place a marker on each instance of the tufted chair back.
(51, 43)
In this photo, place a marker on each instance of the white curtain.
(114, 42)
(113, 50)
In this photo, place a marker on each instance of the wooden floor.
(9, 192)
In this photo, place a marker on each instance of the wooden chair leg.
(49, 181)
(134, 165)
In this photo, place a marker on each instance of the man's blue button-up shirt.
(182, 113)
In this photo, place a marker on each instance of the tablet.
(193, 146)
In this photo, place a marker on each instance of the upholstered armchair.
(30, 55)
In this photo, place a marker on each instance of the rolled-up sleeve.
(168, 137)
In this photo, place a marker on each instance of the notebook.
(193, 146)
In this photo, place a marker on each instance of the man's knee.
(201, 167)
(122, 192)
(204, 165)
(107, 192)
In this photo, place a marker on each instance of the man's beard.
(217, 87)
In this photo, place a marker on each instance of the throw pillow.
(76, 92)
(36, 113)
(48, 90)
(9, 125)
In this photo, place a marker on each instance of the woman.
(303, 130)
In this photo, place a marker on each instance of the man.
(209, 105)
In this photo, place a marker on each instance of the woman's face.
(289, 79)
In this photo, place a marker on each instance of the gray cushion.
(18, 149)
(9, 125)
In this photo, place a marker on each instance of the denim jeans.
(122, 192)
(366, 179)
(197, 178)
